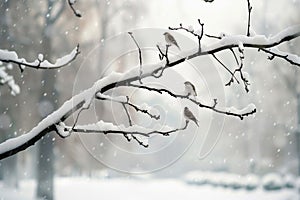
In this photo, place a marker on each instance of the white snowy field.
(131, 189)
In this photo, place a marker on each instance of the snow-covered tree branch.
(131, 79)
(39, 63)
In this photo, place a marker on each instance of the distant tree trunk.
(298, 125)
(47, 103)
(8, 167)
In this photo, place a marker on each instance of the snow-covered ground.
(131, 189)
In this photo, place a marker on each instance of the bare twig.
(140, 55)
(213, 36)
(240, 69)
(127, 102)
(232, 74)
(249, 16)
(234, 55)
(76, 12)
(129, 121)
(79, 112)
(139, 141)
(162, 55)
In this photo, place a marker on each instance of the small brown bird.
(170, 39)
(190, 88)
(189, 115)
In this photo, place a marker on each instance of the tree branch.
(198, 34)
(86, 129)
(249, 16)
(201, 105)
(291, 58)
(232, 74)
(126, 102)
(12, 57)
(14, 145)
(140, 55)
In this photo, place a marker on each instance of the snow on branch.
(124, 100)
(130, 79)
(260, 42)
(6, 79)
(12, 57)
(289, 57)
(213, 106)
(110, 128)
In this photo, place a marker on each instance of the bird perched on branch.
(170, 40)
(190, 88)
(189, 115)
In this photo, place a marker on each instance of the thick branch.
(257, 42)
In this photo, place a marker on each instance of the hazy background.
(257, 145)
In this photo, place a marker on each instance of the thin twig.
(138, 109)
(249, 16)
(130, 124)
(139, 141)
(162, 55)
(140, 55)
(145, 134)
(129, 121)
(79, 112)
(76, 12)
(201, 105)
(213, 36)
(234, 55)
(238, 69)
(232, 74)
